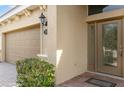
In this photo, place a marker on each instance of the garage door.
(22, 44)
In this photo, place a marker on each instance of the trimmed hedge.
(34, 72)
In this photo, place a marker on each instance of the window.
(95, 9)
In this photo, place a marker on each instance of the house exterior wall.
(66, 42)
(29, 21)
(16, 25)
(71, 42)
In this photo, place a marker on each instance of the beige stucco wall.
(52, 33)
(71, 42)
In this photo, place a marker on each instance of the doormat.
(101, 83)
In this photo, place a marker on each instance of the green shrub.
(34, 72)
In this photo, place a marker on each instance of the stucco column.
(52, 30)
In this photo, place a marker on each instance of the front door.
(109, 47)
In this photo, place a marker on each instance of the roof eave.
(12, 12)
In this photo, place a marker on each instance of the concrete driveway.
(7, 75)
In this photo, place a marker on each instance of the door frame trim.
(96, 47)
(123, 47)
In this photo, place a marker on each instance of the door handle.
(121, 50)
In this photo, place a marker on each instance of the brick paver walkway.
(7, 75)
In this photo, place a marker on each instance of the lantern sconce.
(43, 21)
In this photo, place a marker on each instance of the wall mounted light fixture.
(43, 20)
